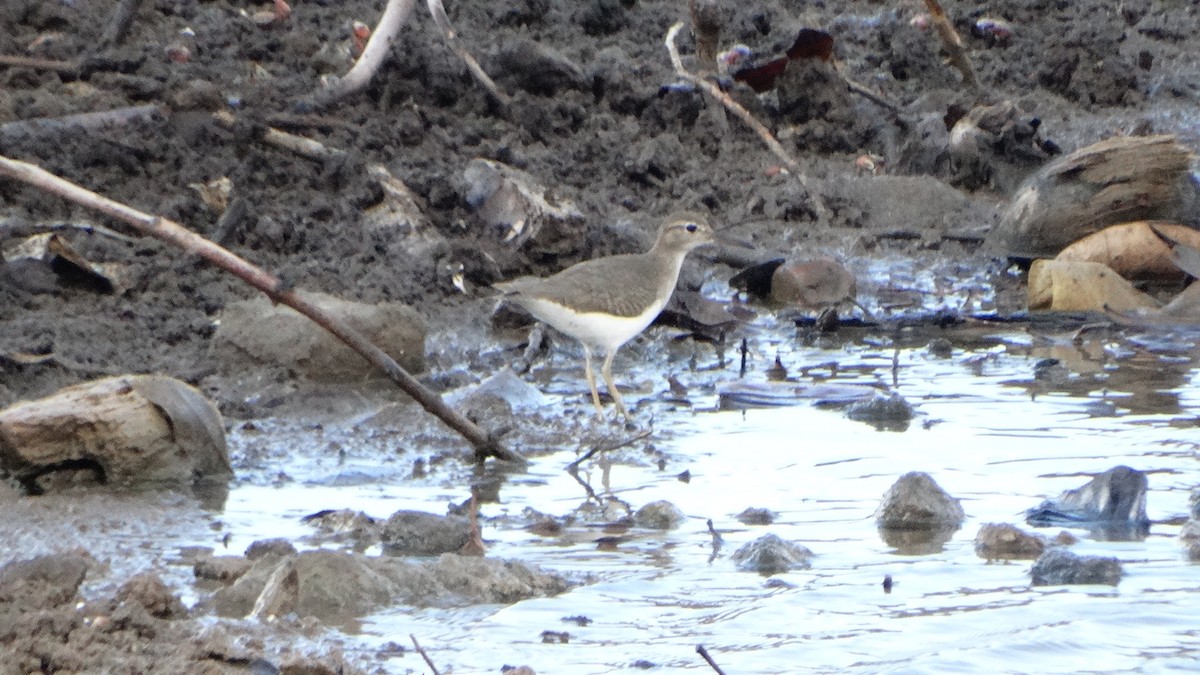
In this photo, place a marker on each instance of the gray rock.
(756, 516)
(1058, 566)
(47, 580)
(886, 413)
(771, 555)
(420, 533)
(659, 515)
(916, 502)
(334, 586)
(1113, 504)
(270, 548)
(223, 568)
(258, 331)
(1001, 541)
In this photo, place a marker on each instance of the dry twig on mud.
(952, 42)
(305, 147)
(759, 128)
(394, 16)
(61, 67)
(190, 242)
(438, 12)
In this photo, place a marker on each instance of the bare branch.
(394, 16)
(763, 132)
(438, 12)
(190, 242)
(952, 42)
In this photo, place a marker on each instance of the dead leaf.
(1133, 250)
(1066, 286)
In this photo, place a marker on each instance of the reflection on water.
(1005, 418)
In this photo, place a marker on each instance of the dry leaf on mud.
(1072, 286)
(69, 265)
(1133, 250)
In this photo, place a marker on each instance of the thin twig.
(192, 243)
(952, 42)
(61, 67)
(438, 12)
(305, 147)
(360, 74)
(704, 653)
(763, 132)
(597, 449)
(421, 651)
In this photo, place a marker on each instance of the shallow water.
(987, 430)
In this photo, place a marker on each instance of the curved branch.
(182, 238)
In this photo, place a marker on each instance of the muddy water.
(988, 430)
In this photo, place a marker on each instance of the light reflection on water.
(986, 430)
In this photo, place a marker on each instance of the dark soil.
(597, 115)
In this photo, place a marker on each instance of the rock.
(916, 502)
(149, 591)
(344, 525)
(420, 533)
(771, 555)
(518, 210)
(1059, 566)
(1113, 504)
(261, 332)
(1118, 180)
(536, 68)
(1001, 541)
(44, 581)
(756, 516)
(659, 515)
(223, 568)
(886, 413)
(334, 586)
(270, 548)
(127, 429)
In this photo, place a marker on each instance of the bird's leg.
(591, 378)
(606, 370)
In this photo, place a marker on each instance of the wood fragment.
(709, 660)
(305, 147)
(175, 234)
(438, 12)
(953, 43)
(759, 128)
(48, 126)
(421, 651)
(360, 74)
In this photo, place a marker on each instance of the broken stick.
(759, 128)
(175, 234)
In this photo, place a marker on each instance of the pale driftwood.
(127, 429)
(1118, 180)
(759, 128)
(953, 43)
(190, 242)
(360, 74)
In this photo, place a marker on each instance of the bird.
(604, 302)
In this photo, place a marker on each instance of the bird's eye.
(691, 227)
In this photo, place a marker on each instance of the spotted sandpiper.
(604, 303)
